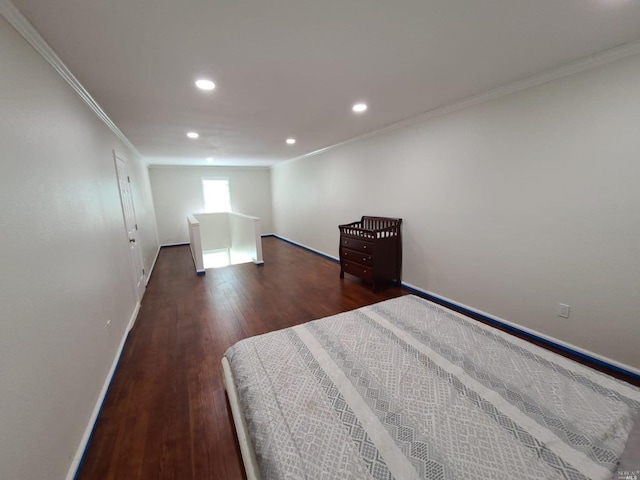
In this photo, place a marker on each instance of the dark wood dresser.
(372, 250)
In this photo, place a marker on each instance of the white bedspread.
(407, 389)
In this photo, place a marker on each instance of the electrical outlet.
(563, 310)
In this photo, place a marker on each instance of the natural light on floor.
(223, 258)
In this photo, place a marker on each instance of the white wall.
(63, 260)
(510, 207)
(215, 233)
(177, 192)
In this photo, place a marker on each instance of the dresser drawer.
(358, 257)
(362, 271)
(357, 245)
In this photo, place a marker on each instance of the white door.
(131, 225)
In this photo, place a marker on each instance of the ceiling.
(294, 68)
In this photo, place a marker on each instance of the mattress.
(408, 389)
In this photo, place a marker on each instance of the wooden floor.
(166, 414)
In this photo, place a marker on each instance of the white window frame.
(204, 198)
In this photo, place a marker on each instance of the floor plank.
(166, 415)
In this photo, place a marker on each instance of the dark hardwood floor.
(166, 414)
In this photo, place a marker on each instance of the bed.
(408, 389)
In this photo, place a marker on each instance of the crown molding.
(18, 21)
(587, 63)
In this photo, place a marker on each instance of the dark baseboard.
(584, 358)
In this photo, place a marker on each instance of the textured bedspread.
(407, 389)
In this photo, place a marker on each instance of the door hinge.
(143, 271)
(128, 179)
(136, 226)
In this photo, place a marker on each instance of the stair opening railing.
(235, 235)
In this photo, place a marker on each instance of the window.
(216, 195)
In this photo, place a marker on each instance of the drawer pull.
(364, 246)
(364, 259)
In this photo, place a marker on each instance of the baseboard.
(153, 265)
(567, 347)
(317, 252)
(86, 438)
(179, 244)
(132, 320)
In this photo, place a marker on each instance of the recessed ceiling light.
(209, 159)
(205, 84)
(193, 135)
(291, 141)
(359, 107)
